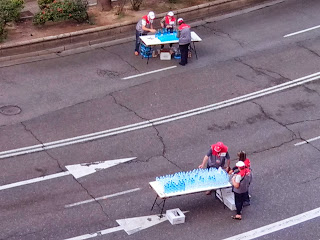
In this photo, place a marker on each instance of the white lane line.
(147, 73)
(34, 180)
(162, 120)
(102, 198)
(302, 31)
(277, 225)
(97, 234)
(307, 141)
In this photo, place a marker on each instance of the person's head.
(151, 15)
(242, 156)
(240, 165)
(180, 21)
(170, 14)
(218, 147)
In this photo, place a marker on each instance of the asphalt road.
(85, 93)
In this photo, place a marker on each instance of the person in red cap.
(168, 22)
(216, 157)
(142, 28)
(184, 35)
(241, 182)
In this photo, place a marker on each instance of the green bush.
(63, 10)
(43, 3)
(9, 11)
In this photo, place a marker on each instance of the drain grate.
(10, 110)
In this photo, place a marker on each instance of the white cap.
(170, 14)
(151, 15)
(180, 20)
(240, 164)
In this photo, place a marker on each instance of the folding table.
(156, 186)
(152, 41)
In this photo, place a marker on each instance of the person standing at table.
(184, 35)
(216, 157)
(143, 27)
(241, 182)
(168, 22)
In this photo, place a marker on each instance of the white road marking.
(277, 225)
(97, 234)
(307, 141)
(161, 120)
(147, 73)
(102, 198)
(84, 169)
(130, 225)
(78, 171)
(302, 31)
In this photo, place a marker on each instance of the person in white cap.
(168, 22)
(241, 182)
(143, 27)
(184, 35)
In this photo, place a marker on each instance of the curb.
(88, 39)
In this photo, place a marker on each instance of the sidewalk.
(108, 35)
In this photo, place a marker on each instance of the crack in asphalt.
(61, 168)
(308, 49)
(261, 71)
(215, 30)
(21, 236)
(95, 200)
(153, 126)
(311, 90)
(307, 120)
(137, 70)
(42, 146)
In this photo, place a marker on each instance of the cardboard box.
(228, 198)
(165, 56)
(175, 216)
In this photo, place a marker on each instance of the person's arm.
(162, 22)
(204, 162)
(236, 181)
(144, 28)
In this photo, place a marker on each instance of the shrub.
(63, 10)
(9, 11)
(136, 4)
(43, 3)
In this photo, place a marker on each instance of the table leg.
(160, 205)
(195, 51)
(154, 203)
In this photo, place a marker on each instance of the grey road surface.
(86, 93)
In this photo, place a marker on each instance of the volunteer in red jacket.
(241, 182)
(216, 157)
(143, 27)
(168, 22)
(184, 35)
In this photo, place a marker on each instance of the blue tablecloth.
(167, 37)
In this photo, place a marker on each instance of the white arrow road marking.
(161, 120)
(76, 171)
(130, 225)
(277, 225)
(302, 31)
(102, 198)
(307, 141)
(83, 169)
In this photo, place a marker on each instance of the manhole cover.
(10, 110)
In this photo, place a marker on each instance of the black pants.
(184, 53)
(138, 34)
(239, 199)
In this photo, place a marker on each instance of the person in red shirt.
(168, 22)
(143, 27)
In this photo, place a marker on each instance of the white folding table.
(156, 186)
(152, 41)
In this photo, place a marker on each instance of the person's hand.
(153, 30)
(200, 166)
